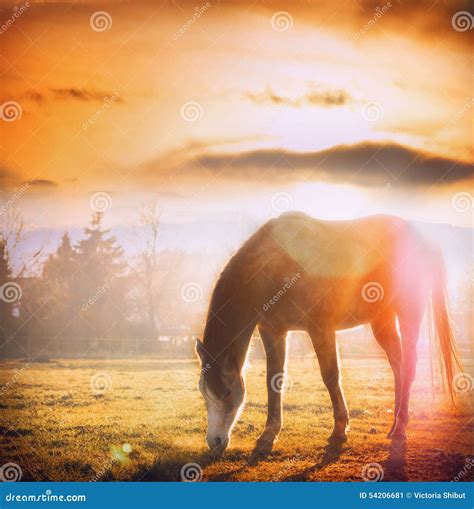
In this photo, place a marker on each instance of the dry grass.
(55, 428)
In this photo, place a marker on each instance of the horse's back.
(336, 248)
(327, 264)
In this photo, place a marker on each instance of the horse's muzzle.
(217, 445)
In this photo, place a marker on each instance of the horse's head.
(223, 390)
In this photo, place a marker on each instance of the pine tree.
(60, 264)
(99, 283)
(57, 307)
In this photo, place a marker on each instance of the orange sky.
(345, 109)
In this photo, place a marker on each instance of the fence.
(34, 347)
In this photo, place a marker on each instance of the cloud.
(72, 93)
(42, 183)
(35, 96)
(325, 98)
(82, 94)
(415, 20)
(368, 164)
(11, 180)
(8, 178)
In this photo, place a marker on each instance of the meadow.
(144, 419)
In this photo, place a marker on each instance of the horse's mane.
(230, 296)
(232, 270)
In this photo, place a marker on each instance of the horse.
(301, 273)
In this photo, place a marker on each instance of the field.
(142, 420)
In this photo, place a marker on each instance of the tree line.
(88, 289)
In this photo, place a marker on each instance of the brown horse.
(299, 273)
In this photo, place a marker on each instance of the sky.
(220, 111)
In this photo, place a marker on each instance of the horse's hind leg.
(385, 332)
(275, 349)
(409, 330)
(324, 344)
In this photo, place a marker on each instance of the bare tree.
(147, 270)
(13, 234)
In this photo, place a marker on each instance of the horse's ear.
(199, 348)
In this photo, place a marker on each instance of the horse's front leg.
(324, 344)
(275, 349)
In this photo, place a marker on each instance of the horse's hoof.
(260, 452)
(337, 438)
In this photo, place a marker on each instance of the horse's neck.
(229, 326)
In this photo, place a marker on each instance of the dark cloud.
(35, 96)
(82, 94)
(315, 97)
(368, 164)
(42, 183)
(73, 93)
(424, 19)
(11, 180)
(8, 178)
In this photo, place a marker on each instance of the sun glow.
(329, 201)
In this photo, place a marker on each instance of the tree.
(16, 268)
(60, 264)
(6, 307)
(147, 268)
(57, 308)
(99, 283)
(12, 232)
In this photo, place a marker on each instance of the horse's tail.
(441, 330)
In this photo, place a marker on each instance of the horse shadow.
(170, 469)
(394, 467)
(332, 453)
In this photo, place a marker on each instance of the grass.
(151, 421)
